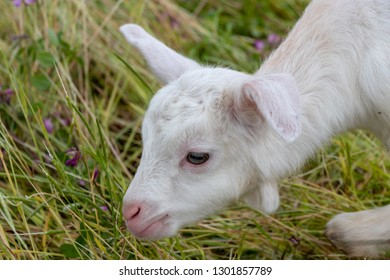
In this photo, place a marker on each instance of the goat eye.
(197, 158)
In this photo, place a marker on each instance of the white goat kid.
(213, 136)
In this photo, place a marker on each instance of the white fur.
(331, 74)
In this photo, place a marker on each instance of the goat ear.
(264, 197)
(165, 63)
(276, 98)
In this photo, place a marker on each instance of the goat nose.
(131, 211)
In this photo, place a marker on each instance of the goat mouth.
(149, 231)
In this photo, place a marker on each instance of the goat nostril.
(136, 213)
(131, 212)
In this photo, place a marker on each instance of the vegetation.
(72, 97)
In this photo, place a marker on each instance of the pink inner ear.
(277, 99)
(245, 111)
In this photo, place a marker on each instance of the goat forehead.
(196, 87)
(178, 108)
(192, 105)
(173, 135)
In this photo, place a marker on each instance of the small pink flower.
(17, 3)
(174, 24)
(48, 125)
(9, 91)
(259, 45)
(76, 155)
(273, 39)
(294, 240)
(104, 207)
(95, 174)
(65, 121)
(5, 96)
(82, 183)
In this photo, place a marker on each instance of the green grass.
(64, 61)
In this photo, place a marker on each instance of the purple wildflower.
(19, 37)
(104, 207)
(17, 3)
(5, 96)
(48, 125)
(76, 155)
(9, 91)
(294, 240)
(174, 23)
(95, 174)
(82, 183)
(259, 45)
(273, 39)
(65, 121)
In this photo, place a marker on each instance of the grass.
(64, 60)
